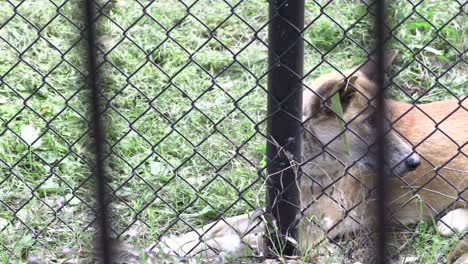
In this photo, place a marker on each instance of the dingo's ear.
(345, 89)
(369, 68)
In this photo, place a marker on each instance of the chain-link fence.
(188, 138)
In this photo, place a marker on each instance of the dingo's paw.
(453, 221)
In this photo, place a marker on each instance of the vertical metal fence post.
(381, 172)
(102, 236)
(286, 58)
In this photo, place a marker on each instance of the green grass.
(180, 146)
(430, 245)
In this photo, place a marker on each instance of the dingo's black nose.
(412, 162)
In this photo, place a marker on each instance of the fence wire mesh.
(184, 95)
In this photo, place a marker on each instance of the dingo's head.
(356, 90)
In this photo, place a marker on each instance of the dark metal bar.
(381, 173)
(102, 235)
(286, 59)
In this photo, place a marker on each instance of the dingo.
(426, 152)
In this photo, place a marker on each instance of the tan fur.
(336, 190)
(438, 149)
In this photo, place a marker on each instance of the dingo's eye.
(371, 120)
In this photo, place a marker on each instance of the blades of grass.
(4, 257)
(338, 109)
